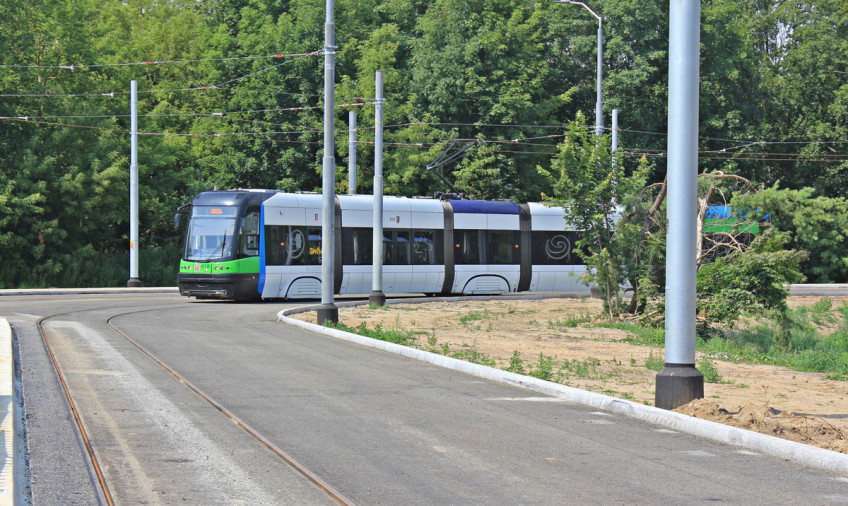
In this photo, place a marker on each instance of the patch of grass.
(798, 344)
(516, 364)
(707, 367)
(472, 316)
(637, 334)
(582, 368)
(432, 342)
(569, 321)
(821, 312)
(471, 354)
(467, 320)
(654, 362)
(544, 368)
(395, 335)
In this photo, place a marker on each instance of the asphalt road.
(379, 428)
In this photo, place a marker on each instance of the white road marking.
(842, 499)
(528, 399)
(698, 453)
(210, 461)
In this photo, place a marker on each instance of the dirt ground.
(800, 406)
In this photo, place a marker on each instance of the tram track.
(104, 493)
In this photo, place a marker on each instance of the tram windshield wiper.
(220, 247)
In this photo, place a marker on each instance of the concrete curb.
(753, 441)
(7, 416)
(85, 291)
(823, 290)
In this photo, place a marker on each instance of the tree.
(816, 224)
(606, 207)
(749, 281)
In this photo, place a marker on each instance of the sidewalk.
(8, 442)
(84, 291)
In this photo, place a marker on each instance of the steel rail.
(104, 494)
(276, 450)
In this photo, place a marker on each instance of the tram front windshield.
(211, 233)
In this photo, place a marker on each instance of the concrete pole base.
(377, 298)
(678, 384)
(133, 283)
(328, 313)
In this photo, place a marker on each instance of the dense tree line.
(233, 95)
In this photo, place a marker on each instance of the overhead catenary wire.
(75, 66)
(155, 115)
(420, 145)
(291, 58)
(630, 152)
(366, 101)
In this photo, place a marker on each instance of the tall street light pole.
(599, 101)
(680, 381)
(328, 310)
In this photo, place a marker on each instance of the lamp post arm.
(580, 3)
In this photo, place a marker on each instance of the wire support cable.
(75, 66)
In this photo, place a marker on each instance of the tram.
(251, 244)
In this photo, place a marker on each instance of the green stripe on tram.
(249, 265)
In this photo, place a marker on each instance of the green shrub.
(516, 365)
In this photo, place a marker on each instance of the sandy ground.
(805, 407)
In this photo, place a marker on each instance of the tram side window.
(292, 245)
(555, 248)
(396, 247)
(502, 247)
(493, 247)
(428, 247)
(249, 240)
(400, 247)
(467, 247)
(357, 245)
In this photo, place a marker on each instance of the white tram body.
(562, 273)
(487, 247)
(429, 246)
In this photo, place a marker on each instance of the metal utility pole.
(351, 153)
(599, 101)
(328, 310)
(680, 382)
(614, 146)
(614, 130)
(134, 280)
(377, 296)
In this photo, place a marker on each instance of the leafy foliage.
(749, 281)
(816, 224)
(502, 75)
(605, 206)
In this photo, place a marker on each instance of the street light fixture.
(599, 107)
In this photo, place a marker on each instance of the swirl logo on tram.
(558, 247)
(297, 244)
